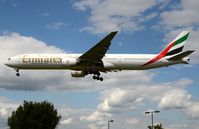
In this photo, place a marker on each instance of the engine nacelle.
(69, 62)
(78, 74)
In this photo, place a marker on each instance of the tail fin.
(174, 48)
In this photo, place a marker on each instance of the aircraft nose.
(7, 63)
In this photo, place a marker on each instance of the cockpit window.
(9, 58)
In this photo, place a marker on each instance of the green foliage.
(158, 126)
(34, 116)
(149, 127)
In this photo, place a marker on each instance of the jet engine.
(69, 62)
(78, 73)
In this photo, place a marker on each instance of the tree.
(158, 126)
(34, 116)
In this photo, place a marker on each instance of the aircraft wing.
(95, 54)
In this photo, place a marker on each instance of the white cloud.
(133, 94)
(182, 99)
(119, 101)
(95, 116)
(193, 110)
(131, 97)
(6, 107)
(92, 126)
(133, 121)
(115, 100)
(110, 15)
(67, 121)
(183, 16)
(179, 126)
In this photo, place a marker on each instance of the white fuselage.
(68, 61)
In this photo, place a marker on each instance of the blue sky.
(73, 26)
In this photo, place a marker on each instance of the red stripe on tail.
(161, 55)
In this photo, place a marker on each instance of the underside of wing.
(93, 57)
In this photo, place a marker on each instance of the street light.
(152, 112)
(109, 123)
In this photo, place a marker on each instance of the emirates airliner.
(95, 61)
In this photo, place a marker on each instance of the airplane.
(95, 61)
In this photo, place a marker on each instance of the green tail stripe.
(181, 39)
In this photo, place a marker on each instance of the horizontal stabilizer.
(181, 55)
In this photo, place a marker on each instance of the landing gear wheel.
(98, 74)
(94, 77)
(17, 74)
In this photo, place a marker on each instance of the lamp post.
(109, 123)
(152, 113)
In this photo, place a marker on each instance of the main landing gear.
(96, 76)
(17, 74)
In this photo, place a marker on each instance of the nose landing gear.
(17, 74)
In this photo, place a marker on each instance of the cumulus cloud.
(182, 99)
(129, 98)
(120, 101)
(95, 116)
(179, 126)
(6, 108)
(110, 15)
(193, 110)
(66, 121)
(183, 15)
(133, 121)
